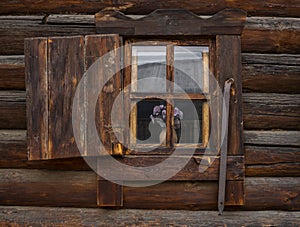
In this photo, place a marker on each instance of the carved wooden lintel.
(170, 22)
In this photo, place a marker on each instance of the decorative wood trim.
(168, 22)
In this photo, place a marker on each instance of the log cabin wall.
(271, 108)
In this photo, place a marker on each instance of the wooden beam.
(271, 111)
(15, 216)
(253, 7)
(12, 72)
(272, 138)
(78, 189)
(14, 29)
(12, 110)
(274, 73)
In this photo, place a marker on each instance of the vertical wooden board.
(234, 193)
(228, 64)
(65, 70)
(36, 97)
(109, 194)
(107, 69)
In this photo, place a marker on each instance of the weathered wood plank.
(164, 22)
(259, 160)
(36, 97)
(228, 63)
(12, 110)
(48, 188)
(35, 216)
(273, 138)
(273, 78)
(271, 111)
(210, 167)
(12, 72)
(254, 7)
(260, 111)
(14, 29)
(65, 70)
(73, 188)
(277, 73)
(272, 161)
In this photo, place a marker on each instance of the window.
(186, 64)
(167, 45)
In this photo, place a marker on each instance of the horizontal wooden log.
(12, 72)
(13, 30)
(34, 216)
(259, 160)
(272, 193)
(12, 110)
(253, 7)
(273, 78)
(209, 167)
(260, 111)
(48, 188)
(275, 73)
(273, 138)
(271, 111)
(13, 154)
(264, 161)
(78, 189)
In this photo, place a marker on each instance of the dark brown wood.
(106, 46)
(78, 189)
(18, 216)
(65, 70)
(12, 109)
(253, 7)
(12, 72)
(273, 138)
(228, 63)
(171, 22)
(273, 78)
(48, 188)
(275, 73)
(258, 108)
(210, 165)
(271, 111)
(14, 29)
(109, 194)
(37, 97)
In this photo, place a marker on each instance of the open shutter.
(54, 68)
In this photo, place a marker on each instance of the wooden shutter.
(54, 67)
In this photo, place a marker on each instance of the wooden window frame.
(168, 94)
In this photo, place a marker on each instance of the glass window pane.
(151, 126)
(191, 66)
(148, 61)
(189, 127)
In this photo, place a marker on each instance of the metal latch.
(224, 146)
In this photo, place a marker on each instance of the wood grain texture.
(108, 74)
(65, 70)
(78, 189)
(37, 112)
(274, 73)
(12, 109)
(13, 30)
(12, 72)
(228, 63)
(253, 7)
(18, 216)
(109, 194)
(273, 138)
(163, 22)
(271, 111)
